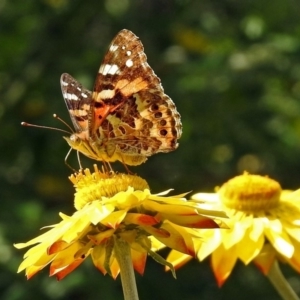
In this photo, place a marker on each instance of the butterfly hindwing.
(129, 87)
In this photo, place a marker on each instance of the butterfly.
(127, 117)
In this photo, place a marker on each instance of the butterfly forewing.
(124, 62)
(124, 71)
(78, 101)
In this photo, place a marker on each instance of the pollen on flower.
(93, 186)
(250, 192)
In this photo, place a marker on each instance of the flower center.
(250, 193)
(93, 186)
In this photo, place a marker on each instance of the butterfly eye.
(74, 138)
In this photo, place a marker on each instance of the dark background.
(232, 68)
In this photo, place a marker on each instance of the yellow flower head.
(110, 207)
(264, 224)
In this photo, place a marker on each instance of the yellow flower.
(110, 207)
(264, 225)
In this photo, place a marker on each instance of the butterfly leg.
(107, 167)
(79, 161)
(66, 163)
(125, 166)
(104, 167)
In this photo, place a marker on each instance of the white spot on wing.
(128, 53)
(70, 96)
(113, 48)
(106, 94)
(84, 95)
(108, 69)
(129, 63)
(74, 97)
(78, 112)
(123, 47)
(113, 70)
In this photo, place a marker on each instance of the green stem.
(280, 283)
(123, 256)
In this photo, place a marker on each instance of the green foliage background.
(232, 68)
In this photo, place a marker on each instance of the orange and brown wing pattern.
(130, 106)
(128, 117)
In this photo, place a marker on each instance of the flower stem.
(280, 283)
(123, 256)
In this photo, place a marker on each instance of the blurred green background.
(232, 68)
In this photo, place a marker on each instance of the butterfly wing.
(78, 101)
(129, 105)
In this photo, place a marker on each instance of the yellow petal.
(99, 238)
(179, 239)
(98, 257)
(97, 211)
(39, 239)
(139, 260)
(295, 260)
(33, 262)
(169, 209)
(164, 193)
(193, 220)
(114, 268)
(211, 241)
(63, 273)
(265, 259)
(281, 242)
(247, 248)
(257, 230)
(157, 232)
(140, 219)
(223, 262)
(292, 231)
(128, 199)
(156, 245)
(57, 246)
(233, 235)
(178, 259)
(114, 219)
(37, 251)
(206, 197)
(32, 270)
(64, 258)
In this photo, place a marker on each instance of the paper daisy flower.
(264, 226)
(113, 208)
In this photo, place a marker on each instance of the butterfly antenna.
(45, 127)
(55, 116)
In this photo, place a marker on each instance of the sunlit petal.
(223, 263)
(265, 259)
(111, 206)
(263, 226)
